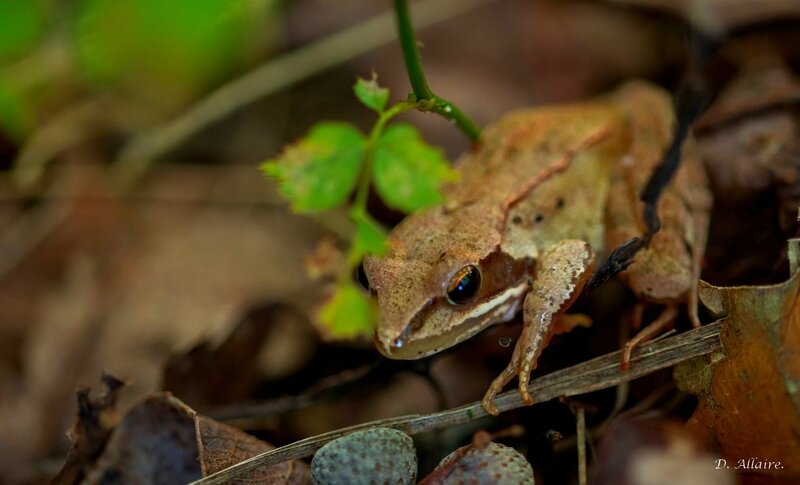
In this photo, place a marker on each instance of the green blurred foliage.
(22, 23)
(348, 313)
(166, 50)
(370, 238)
(16, 117)
(152, 56)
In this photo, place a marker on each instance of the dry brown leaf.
(161, 440)
(154, 443)
(750, 399)
(750, 136)
(96, 419)
(222, 446)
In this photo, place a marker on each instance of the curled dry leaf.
(153, 443)
(96, 418)
(750, 400)
(221, 446)
(161, 440)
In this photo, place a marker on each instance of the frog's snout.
(388, 344)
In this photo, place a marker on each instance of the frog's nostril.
(399, 341)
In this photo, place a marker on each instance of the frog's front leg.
(563, 270)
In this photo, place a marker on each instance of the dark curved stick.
(691, 99)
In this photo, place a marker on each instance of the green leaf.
(369, 238)
(408, 171)
(371, 94)
(319, 171)
(22, 24)
(348, 313)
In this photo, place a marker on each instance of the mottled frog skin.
(545, 193)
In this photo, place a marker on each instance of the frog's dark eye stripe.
(464, 285)
(361, 276)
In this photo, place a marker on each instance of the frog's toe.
(524, 379)
(491, 393)
(625, 361)
(488, 403)
(664, 320)
(526, 396)
(497, 385)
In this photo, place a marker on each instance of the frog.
(544, 195)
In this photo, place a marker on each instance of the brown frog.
(544, 194)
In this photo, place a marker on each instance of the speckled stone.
(375, 456)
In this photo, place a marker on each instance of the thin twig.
(599, 373)
(691, 99)
(640, 409)
(581, 434)
(271, 77)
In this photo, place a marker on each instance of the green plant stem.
(408, 42)
(358, 209)
(427, 100)
(360, 202)
(452, 112)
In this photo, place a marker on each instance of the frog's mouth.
(416, 343)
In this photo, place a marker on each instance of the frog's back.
(540, 176)
(548, 170)
(527, 147)
(609, 150)
(516, 155)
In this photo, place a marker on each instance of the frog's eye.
(464, 285)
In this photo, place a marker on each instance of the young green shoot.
(335, 161)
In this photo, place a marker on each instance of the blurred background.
(137, 236)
